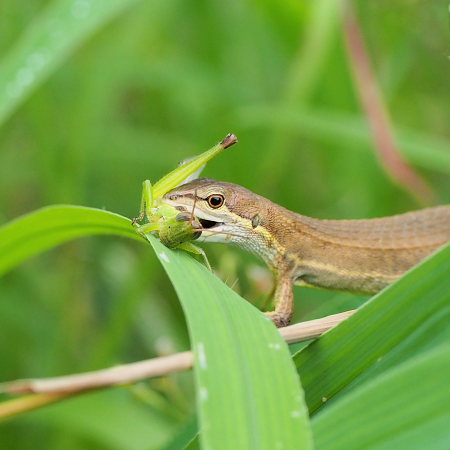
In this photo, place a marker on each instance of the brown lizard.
(361, 256)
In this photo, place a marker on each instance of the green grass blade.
(51, 226)
(408, 407)
(248, 391)
(53, 36)
(409, 317)
(248, 394)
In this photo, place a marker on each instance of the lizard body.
(353, 255)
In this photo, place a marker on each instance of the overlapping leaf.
(248, 392)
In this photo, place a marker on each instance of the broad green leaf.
(51, 38)
(407, 407)
(51, 226)
(408, 317)
(248, 395)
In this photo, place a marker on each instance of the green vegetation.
(95, 97)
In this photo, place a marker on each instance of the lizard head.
(227, 212)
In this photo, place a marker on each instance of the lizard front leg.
(284, 301)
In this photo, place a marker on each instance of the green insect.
(175, 228)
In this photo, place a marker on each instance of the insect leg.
(146, 203)
(190, 247)
(148, 227)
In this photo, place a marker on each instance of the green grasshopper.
(175, 228)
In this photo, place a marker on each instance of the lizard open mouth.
(208, 223)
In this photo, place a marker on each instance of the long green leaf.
(406, 408)
(51, 226)
(248, 395)
(409, 317)
(53, 36)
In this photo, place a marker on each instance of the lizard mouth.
(208, 224)
(213, 231)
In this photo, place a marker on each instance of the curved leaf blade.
(248, 391)
(248, 395)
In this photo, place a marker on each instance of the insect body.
(174, 233)
(174, 226)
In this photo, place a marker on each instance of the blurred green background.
(163, 81)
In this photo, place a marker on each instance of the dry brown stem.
(155, 367)
(51, 390)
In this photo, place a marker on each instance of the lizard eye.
(215, 200)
